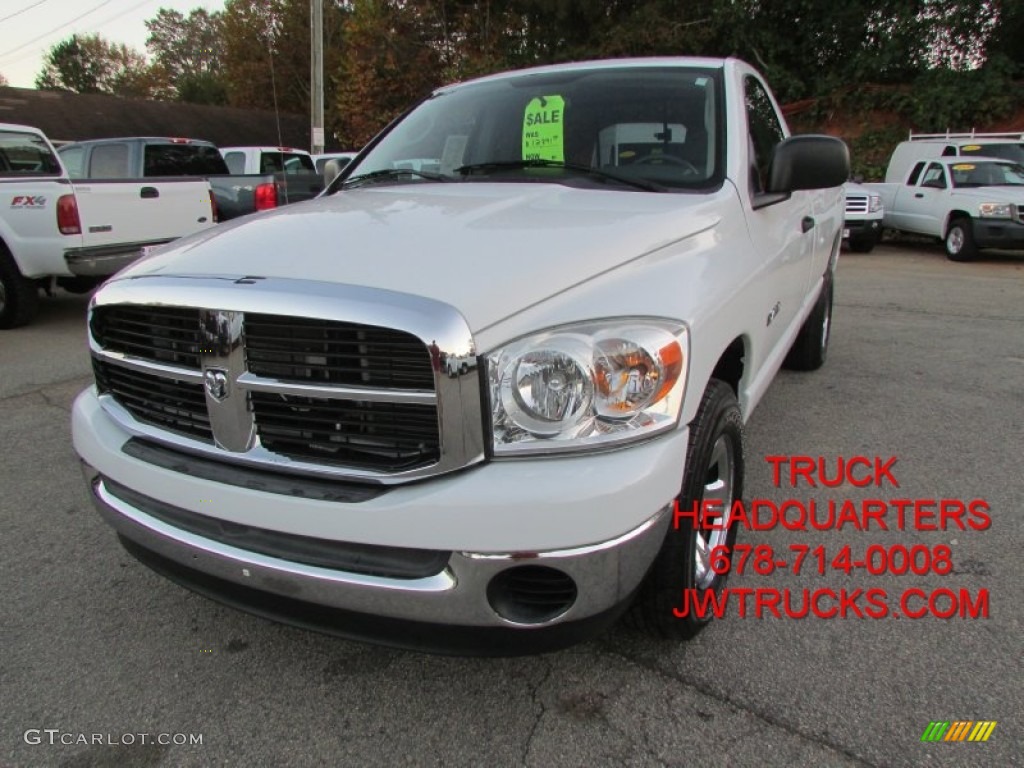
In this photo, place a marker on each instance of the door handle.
(919, 194)
(807, 224)
(147, 192)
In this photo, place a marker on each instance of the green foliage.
(941, 99)
(871, 150)
(188, 49)
(91, 64)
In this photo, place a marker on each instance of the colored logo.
(959, 730)
(24, 201)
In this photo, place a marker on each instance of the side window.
(270, 162)
(949, 151)
(25, 154)
(297, 163)
(934, 177)
(765, 132)
(109, 161)
(915, 174)
(236, 162)
(73, 159)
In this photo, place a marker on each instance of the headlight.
(874, 203)
(996, 210)
(587, 385)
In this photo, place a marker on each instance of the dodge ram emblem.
(216, 384)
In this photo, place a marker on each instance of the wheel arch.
(731, 365)
(955, 214)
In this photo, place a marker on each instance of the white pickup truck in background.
(969, 203)
(862, 225)
(453, 402)
(247, 160)
(928, 146)
(77, 234)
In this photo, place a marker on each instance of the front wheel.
(959, 240)
(682, 574)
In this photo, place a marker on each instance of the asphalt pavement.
(105, 659)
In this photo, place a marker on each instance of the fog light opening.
(531, 594)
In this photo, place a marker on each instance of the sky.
(29, 28)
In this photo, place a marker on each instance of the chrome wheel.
(955, 240)
(718, 487)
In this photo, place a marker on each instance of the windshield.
(1010, 151)
(179, 159)
(653, 127)
(987, 174)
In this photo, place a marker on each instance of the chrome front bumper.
(606, 574)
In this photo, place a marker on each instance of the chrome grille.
(168, 335)
(307, 350)
(291, 375)
(172, 404)
(383, 436)
(319, 392)
(856, 204)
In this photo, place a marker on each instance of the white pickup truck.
(247, 160)
(969, 203)
(78, 233)
(862, 227)
(454, 406)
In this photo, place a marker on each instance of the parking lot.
(926, 364)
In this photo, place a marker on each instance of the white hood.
(490, 250)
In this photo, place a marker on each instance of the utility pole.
(316, 90)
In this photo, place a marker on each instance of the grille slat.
(386, 436)
(178, 406)
(167, 335)
(305, 350)
(856, 204)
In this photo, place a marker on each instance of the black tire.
(810, 349)
(79, 285)
(863, 244)
(19, 296)
(959, 240)
(715, 448)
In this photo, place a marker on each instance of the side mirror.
(331, 170)
(808, 162)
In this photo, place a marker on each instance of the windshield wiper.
(511, 165)
(390, 174)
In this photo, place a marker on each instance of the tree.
(1007, 33)
(389, 62)
(3, 80)
(189, 50)
(266, 54)
(91, 64)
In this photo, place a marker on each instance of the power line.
(56, 29)
(26, 8)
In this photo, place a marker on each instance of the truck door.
(918, 205)
(784, 230)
